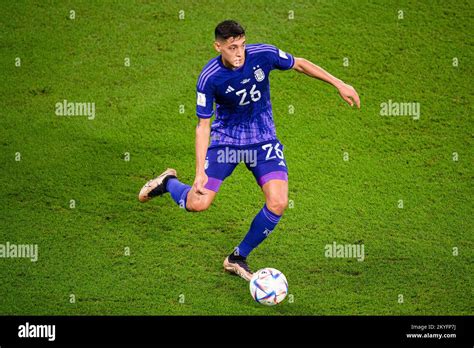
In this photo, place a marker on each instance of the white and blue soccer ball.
(268, 286)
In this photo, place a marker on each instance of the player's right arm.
(203, 131)
(204, 112)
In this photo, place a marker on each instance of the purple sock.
(178, 191)
(261, 227)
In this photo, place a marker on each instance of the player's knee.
(278, 204)
(200, 205)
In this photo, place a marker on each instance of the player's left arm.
(347, 92)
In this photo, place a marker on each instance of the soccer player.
(237, 82)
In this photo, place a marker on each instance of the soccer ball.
(268, 286)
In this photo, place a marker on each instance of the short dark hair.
(228, 28)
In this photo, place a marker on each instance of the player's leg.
(276, 201)
(197, 201)
(271, 174)
(264, 223)
(216, 171)
(184, 195)
(276, 196)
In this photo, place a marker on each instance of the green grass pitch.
(400, 186)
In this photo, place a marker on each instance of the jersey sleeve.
(204, 98)
(281, 60)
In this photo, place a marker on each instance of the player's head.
(230, 43)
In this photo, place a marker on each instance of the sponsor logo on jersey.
(229, 89)
(244, 81)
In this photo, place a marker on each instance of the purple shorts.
(265, 160)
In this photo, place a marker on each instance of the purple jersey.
(243, 108)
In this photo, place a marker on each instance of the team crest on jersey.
(259, 75)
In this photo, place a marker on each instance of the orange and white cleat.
(238, 266)
(157, 186)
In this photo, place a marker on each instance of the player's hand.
(199, 182)
(349, 94)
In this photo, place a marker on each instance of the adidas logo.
(229, 89)
(244, 81)
(282, 163)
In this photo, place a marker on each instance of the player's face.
(232, 51)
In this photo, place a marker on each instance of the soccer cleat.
(157, 186)
(238, 267)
